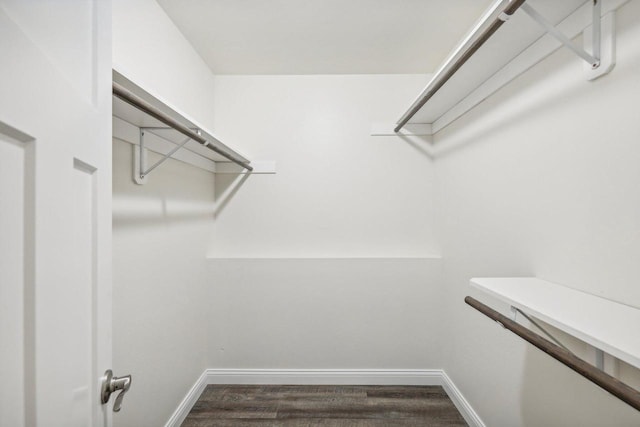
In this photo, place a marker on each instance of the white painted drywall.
(338, 191)
(323, 36)
(324, 313)
(311, 267)
(161, 229)
(160, 237)
(542, 180)
(149, 50)
(323, 264)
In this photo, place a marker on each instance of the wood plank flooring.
(327, 406)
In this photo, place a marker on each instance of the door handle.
(111, 384)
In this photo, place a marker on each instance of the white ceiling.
(323, 36)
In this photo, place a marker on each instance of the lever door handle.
(111, 384)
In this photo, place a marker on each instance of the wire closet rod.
(448, 70)
(613, 385)
(156, 113)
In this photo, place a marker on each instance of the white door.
(55, 212)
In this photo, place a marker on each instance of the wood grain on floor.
(327, 406)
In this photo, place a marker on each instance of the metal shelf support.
(592, 59)
(142, 158)
(537, 325)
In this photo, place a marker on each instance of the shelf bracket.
(593, 58)
(599, 361)
(516, 310)
(140, 170)
(139, 160)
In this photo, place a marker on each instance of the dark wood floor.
(290, 405)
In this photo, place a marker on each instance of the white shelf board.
(602, 323)
(517, 46)
(132, 115)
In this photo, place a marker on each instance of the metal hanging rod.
(467, 49)
(501, 12)
(156, 113)
(611, 384)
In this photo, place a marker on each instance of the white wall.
(542, 180)
(338, 191)
(160, 236)
(162, 229)
(323, 265)
(324, 313)
(149, 50)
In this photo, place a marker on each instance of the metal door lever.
(111, 384)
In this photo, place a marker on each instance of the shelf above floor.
(140, 119)
(607, 325)
(514, 48)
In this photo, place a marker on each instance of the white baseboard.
(326, 376)
(463, 406)
(187, 403)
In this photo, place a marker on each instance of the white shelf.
(517, 46)
(129, 114)
(602, 323)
